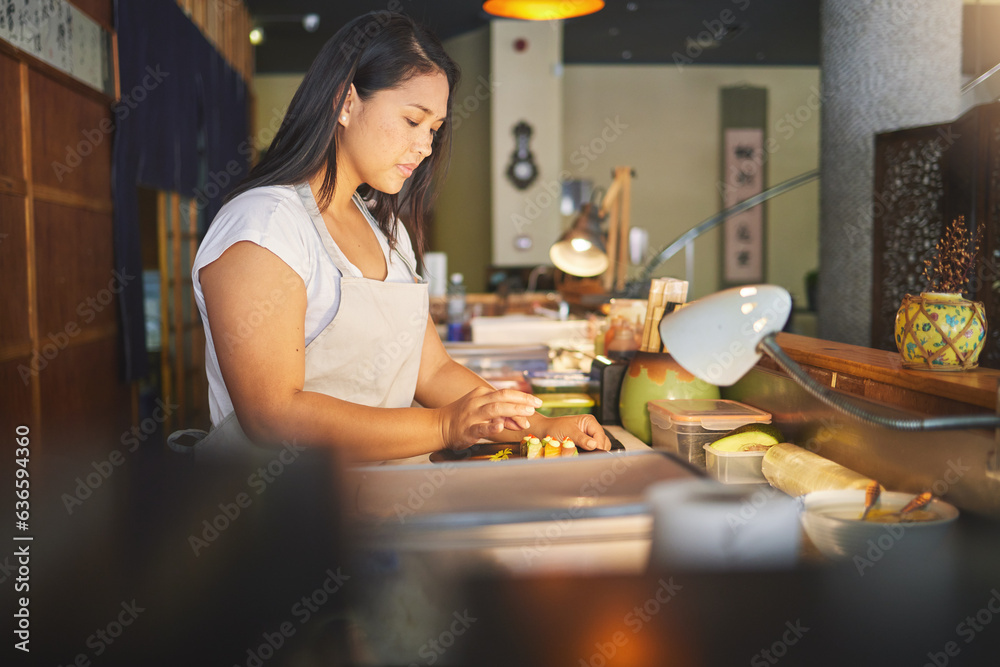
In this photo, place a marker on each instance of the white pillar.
(885, 65)
(526, 65)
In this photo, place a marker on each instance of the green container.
(651, 376)
(560, 405)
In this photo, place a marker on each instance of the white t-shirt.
(276, 218)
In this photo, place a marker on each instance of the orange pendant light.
(542, 10)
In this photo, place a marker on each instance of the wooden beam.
(72, 199)
(29, 237)
(178, 321)
(166, 385)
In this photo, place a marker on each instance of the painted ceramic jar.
(652, 376)
(940, 331)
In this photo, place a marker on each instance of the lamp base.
(586, 293)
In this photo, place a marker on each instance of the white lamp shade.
(715, 338)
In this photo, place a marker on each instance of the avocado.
(749, 438)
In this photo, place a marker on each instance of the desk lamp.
(719, 338)
(586, 250)
(581, 250)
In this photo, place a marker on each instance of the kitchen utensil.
(872, 493)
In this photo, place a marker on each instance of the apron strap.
(339, 260)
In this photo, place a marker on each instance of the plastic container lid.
(710, 414)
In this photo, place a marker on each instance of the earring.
(343, 118)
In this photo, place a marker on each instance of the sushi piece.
(568, 448)
(551, 446)
(533, 448)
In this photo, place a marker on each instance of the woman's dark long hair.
(376, 51)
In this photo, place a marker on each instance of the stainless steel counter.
(587, 513)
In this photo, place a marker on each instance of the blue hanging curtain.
(182, 108)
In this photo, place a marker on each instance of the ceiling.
(730, 32)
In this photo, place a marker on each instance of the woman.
(317, 324)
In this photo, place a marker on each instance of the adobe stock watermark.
(421, 493)
(775, 311)
(550, 193)
(561, 521)
(779, 648)
(585, 154)
(785, 128)
(403, 343)
(87, 311)
(361, 36)
(260, 313)
(582, 157)
(714, 30)
(217, 181)
(103, 638)
(472, 102)
(878, 547)
(7, 569)
(302, 611)
(94, 137)
(433, 649)
(890, 201)
(258, 481)
(634, 620)
(967, 629)
(102, 470)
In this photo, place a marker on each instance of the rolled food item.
(796, 471)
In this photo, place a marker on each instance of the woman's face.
(386, 137)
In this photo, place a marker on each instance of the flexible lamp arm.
(720, 217)
(769, 346)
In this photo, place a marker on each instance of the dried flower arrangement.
(951, 268)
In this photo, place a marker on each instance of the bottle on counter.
(456, 307)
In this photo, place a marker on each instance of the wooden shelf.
(879, 372)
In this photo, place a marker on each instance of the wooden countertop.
(977, 387)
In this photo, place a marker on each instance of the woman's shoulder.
(274, 209)
(272, 217)
(263, 202)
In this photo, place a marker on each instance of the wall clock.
(522, 171)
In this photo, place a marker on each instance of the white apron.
(369, 354)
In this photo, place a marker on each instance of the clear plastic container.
(684, 426)
(734, 467)
(562, 382)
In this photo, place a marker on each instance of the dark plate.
(483, 451)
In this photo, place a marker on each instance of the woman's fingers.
(584, 430)
(598, 438)
(506, 403)
(485, 413)
(517, 423)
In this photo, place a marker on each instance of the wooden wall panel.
(56, 251)
(75, 267)
(16, 397)
(70, 139)
(11, 161)
(101, 11)
(14, 329)
(86, 402)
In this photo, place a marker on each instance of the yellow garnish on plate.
(502, 455)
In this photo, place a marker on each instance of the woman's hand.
(485, 413)
(584, 430)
